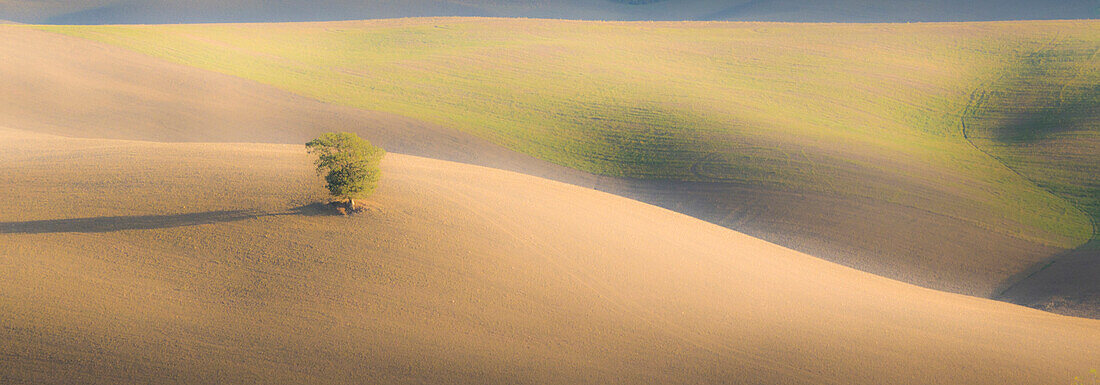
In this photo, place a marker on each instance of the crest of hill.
(138, 262)
(205, 11)
(790, 132)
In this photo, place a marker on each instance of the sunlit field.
(868, 111)
(479, 200)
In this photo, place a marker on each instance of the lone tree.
(349, 163)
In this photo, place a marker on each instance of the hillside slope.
(165, 263)
(205, 11)
(794, 133)
(62, 86)
(1041, 118)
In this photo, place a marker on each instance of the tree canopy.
(349, 163)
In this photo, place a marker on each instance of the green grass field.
(866, 111)
(1042, 119)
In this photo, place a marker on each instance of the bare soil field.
(130, 261)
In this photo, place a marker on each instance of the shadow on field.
(312, 210)
(109, 224)
(1064, 284)
(149, 222)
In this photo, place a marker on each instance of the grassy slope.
(138, 262)
(65, 86)
(799, 107)
(1042, 118)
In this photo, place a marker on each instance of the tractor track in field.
(696, 168)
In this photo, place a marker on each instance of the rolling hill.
(205, 11)
(71, 87)
(861, 144)
(142, 262)
(1042, 119)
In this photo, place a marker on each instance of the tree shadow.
(312, 210)
(150, 222)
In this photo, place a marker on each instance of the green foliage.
(350, 164)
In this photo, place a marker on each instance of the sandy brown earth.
(72, 87)
(148, 262)
(892, 240)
